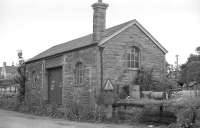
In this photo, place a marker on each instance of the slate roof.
(77, 43)
(88, 41)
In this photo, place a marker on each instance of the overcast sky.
(35, 25)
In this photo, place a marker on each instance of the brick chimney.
(99, 20)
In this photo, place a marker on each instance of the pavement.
(11, 119)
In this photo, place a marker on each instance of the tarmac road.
(10, 119)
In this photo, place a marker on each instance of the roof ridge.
(72, 40)
(87, 40)
(130, 23)
(122, 23)
(92, 33)
(50, 51)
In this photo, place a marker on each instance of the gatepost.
(135, 92)
(109, 98)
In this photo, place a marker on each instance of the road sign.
(109, 86)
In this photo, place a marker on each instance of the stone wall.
(85, 92)
(113, 57)
(34, 85)
(37, 87)
(113, 67)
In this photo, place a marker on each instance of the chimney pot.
(19, 53)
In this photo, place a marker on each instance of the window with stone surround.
(79, 73)
(34, 79)
(133, 58)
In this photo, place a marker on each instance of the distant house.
(7, 83)
(79, 70)
(7, 72)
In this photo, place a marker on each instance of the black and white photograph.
(99, 63)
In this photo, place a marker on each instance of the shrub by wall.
(187, 111)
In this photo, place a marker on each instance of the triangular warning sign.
(108, 86)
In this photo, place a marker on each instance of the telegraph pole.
(177, 66)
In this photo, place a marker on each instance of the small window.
(133, 58)
(34, 79)
(79, 73)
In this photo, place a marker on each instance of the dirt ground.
(10, 119)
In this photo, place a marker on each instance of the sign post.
(109, 98)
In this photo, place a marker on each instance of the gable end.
(134, 22)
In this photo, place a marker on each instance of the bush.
(8, 103)
(153, 114)
(72, 111)
(78, 112)
(165, 85)
(187, 111)
(134, 115)
(149, 83)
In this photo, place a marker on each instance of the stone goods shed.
(79, 69)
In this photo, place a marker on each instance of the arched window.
(34, 79)
(79, 73)
(133, 58)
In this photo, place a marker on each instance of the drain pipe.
(101, 66)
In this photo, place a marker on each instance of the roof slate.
(88, 41)
(77, 43)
